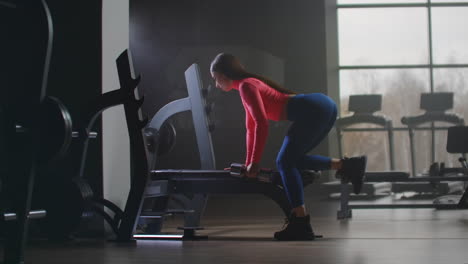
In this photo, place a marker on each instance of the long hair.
(230, 66)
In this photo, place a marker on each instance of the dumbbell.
(265, 175)
(75, 134)
(439, 170)
(270, 176)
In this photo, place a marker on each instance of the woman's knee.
(284, 162)
(279, 162)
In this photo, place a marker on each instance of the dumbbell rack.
(122, 222)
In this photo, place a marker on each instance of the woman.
(313, 115)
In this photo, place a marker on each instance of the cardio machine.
(435, 106)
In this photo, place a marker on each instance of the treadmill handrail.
(413, 121)
(363, 118)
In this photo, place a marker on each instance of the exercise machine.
(435, 106)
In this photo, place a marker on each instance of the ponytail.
(271, 83)
(230, 66)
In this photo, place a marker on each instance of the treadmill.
(435, 106)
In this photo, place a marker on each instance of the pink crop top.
(261, 103)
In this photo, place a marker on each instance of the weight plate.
(55, 130)
(66, 206)
(166, 137)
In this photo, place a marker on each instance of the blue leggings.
(313, 116)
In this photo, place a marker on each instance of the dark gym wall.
(75, 73)
(291, 33)
(75, 78)
(75, 69)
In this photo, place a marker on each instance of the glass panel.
(400, 89)
(451, 80)
(449, 1)
(379, 36)
(343, 2)
(449, 31)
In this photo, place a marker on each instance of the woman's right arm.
(249, 137)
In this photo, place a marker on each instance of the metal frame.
(123, 222)
(396, 5)
(345, 210)
(403, 66)
(196, 105)
(191, 182)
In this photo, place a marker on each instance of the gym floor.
(240, 231)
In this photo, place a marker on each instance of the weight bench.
(164, 182)
(203, 182)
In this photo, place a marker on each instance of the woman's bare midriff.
(284, 113)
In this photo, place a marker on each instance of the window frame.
(431, 66)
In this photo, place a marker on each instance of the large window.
(400, 49)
